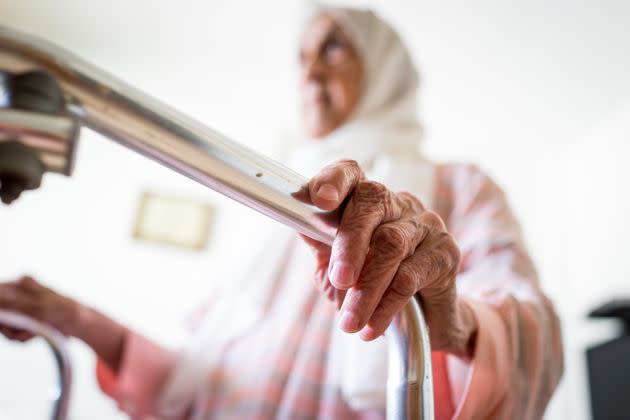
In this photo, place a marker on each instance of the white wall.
(526, 89)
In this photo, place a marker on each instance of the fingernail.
(342, 275)
(367, 334)
(349, 322)
(328, 192)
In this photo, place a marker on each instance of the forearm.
(104, 335)
(101, 333)
(517, 362)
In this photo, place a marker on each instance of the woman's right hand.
(27, 297)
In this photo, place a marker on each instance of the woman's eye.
(334, 50)
(333, 44)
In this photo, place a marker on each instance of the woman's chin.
(319, 130)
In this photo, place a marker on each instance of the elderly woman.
(274, 348)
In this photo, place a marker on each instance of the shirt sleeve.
(144, 369)
(518, 359)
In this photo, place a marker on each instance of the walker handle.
(57, 343)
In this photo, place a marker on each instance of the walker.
(66, 93)
(57, 344)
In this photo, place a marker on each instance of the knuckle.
(371, 191)
(416, 228)
(373, 198)
(352, 170)
(349, 165)
(453, 251)
(28, 284)
(391, 239)
(449, 255)
(347, 169)
(410, 201)
(433, 220)
(405, 283)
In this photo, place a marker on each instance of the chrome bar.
(409, 374)
(57, 344)
(53, 137)
(118, 111)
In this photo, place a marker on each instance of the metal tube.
(409, 374)
(139, 122)
(53, 137)
(57, 344)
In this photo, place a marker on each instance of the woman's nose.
(313, 69)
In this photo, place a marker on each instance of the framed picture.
(174, 221)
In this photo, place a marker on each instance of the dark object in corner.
(609, 366)
(35, 91)
(36, 135)
(20, 170)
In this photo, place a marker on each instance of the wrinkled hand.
(27, 297)
(387, 249)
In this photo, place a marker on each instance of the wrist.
(77, 320)
(469, 327)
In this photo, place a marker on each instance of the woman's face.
(331, 77)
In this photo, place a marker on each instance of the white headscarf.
(383, 135)
(385, 121)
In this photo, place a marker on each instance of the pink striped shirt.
(281, 369)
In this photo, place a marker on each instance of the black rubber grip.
(35, 91)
